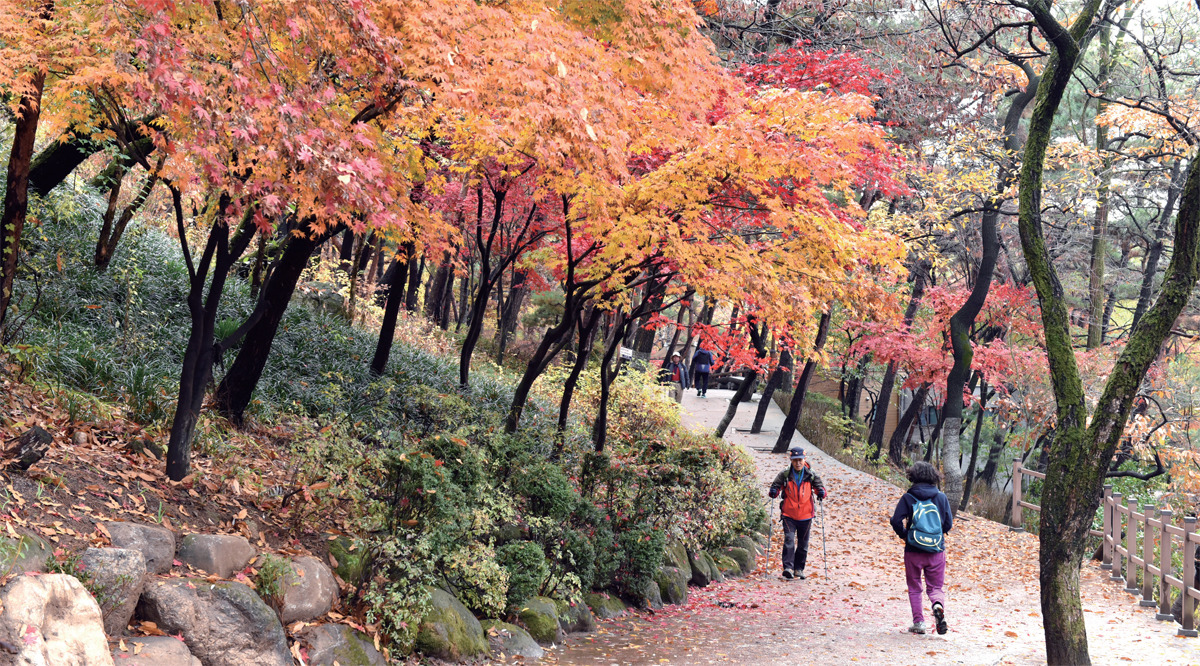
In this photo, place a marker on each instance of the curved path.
(859, 613)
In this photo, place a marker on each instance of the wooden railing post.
(1106, 529)
(1188, 620)
(1164, 567)
(1131, 549)
(1147, 600)
(1117, 573)
(1017, 525)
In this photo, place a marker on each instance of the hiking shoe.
(940, 614)
(800, 574)
(787, 573)
(918, 628)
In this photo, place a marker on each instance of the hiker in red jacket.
(798, 484)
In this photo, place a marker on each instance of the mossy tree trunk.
(1082, 451)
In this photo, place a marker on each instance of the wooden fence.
(1127, 556)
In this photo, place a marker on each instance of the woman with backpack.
(921, 519)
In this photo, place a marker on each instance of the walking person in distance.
(677, 375)
(702, 362)
(798, 483)
(921, 519)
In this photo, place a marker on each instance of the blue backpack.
(925, 527)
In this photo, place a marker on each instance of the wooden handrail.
(1121, 525)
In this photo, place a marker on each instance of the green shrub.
(478, 580)
(527, 569)
(643, 548)
(546, 490)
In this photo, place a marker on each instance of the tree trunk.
(970, 475)
(919, 275)
(1095, 331)
(751, 377)
(1155, 249)
(237, 387)
(643, 342)
(962, 321)
(415, 270)
(220, 253)
(436, 289)
(1081, 451)
(899, 439)
(782, 370)
(988, 476)
(510, 314)
(395, 278)
(552, 343)
(110, 234)
(586, 329)
(607, 372)
(16, 193)
(797, 405)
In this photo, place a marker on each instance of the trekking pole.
(824, 554)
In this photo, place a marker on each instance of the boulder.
(752, 546)
(509, 640)
(52, 620)
(330, 644)
(743, 557)
(539, 615)
(727, 566)
(704, 569)
(222, 623)
(575, 617)
(156, 544)
(219, 554)
(23, 553)
(351, 557)
(115, 577)
(604, 606)
(155, 651)
(309, 591)
(675, 555)
(672, 585)
(650, 597)
(449, 631)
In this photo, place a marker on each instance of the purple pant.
(933, 565)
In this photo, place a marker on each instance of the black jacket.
(903, 513)
(702, 356)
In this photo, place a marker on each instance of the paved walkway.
(859, 613)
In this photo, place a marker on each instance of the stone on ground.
(52, 620)
(743, 557)
(604, 606)
(222, 623)
(449, 631)
(115, 577)
(704, 569)
(509, 640)
(23, 553)
(675, 555)
(156, 544)
(539, 615)
(309, 590)
(651, 597)
(154, 651)
(351, 558)
(728, 567)
(752, 546)
(219, 554)
(672, 585)
(337, 643)
(575, 617)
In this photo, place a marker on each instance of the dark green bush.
(527, 569)
(546, 490)
(643, 547)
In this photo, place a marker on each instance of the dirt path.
(859, 613)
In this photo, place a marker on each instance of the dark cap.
(796, 453)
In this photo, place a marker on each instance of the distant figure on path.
(677, 374)
(702, 363)
(798, 483)
(921, 519)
